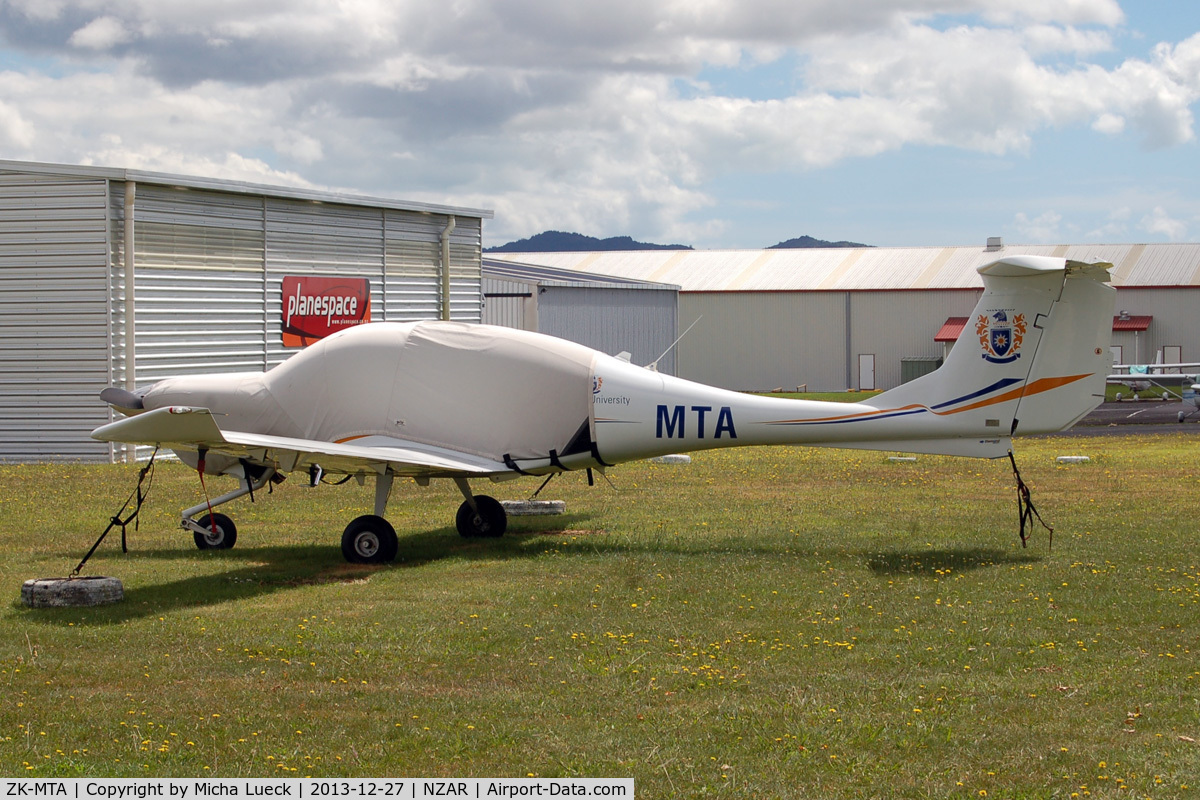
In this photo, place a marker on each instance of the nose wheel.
(215, 532)
(487, 519)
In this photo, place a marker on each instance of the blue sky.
(715, 123)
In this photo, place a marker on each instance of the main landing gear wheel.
(219, 532)
(490, 522)
(370, 539)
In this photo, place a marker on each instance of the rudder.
(1074, 350)
(1028, 360)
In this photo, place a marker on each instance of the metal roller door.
(54, 316)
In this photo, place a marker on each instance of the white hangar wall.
(762, 340)
(769, 340)
(607, 314)
(641, 323)
(784, 318)
(1176, 312)
(209, 260)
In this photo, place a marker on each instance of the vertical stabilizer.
(1075, 341)
(1032, 358)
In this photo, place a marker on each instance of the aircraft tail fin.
(1032, 358)
(1075, 340)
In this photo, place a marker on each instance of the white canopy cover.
(478, 389)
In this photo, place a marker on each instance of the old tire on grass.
(92, 590)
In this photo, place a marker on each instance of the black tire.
(370, 539)
(489, 523)
(219, 533)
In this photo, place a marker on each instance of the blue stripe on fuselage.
(1003, 383)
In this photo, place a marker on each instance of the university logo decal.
(999, 336)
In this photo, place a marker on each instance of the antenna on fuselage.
(653, 365)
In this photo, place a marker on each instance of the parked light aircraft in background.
(465, 402)
(1173, 377)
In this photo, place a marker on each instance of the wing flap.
(184, 428)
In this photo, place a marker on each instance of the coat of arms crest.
(999, 336)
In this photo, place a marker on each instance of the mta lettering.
(672, 422)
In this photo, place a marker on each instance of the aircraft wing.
(1153, 377)
(186, 428)
(1157, 369)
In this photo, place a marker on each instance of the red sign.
(313, 308)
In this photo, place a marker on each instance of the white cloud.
(123, 119)
(102, 33)
(1068, 12)
(15, 132)
(1055, 39)
(1115, 227)
(570, 114)
(41, 10)
(1042, 229)
(1155, 95)
(1158, 222)
(1109, 123)
(301, 147)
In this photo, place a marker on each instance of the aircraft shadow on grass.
(931, 562)
(261, 571)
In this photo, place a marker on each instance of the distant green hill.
(560, 242)
(808, 241)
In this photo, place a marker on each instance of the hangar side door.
(866, 372)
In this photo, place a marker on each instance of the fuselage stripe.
(1000, 384)
(1037, 387)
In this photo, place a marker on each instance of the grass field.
(760, 623)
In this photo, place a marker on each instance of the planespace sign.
(315, 307)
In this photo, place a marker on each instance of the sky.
(714, 123)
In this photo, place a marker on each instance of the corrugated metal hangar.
(225, 277)
(832, 319)
(612, 315)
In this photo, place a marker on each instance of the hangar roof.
(555, 276)
(238, 187)
(871, 268)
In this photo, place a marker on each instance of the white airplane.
(465, 402)
(1140, 377)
